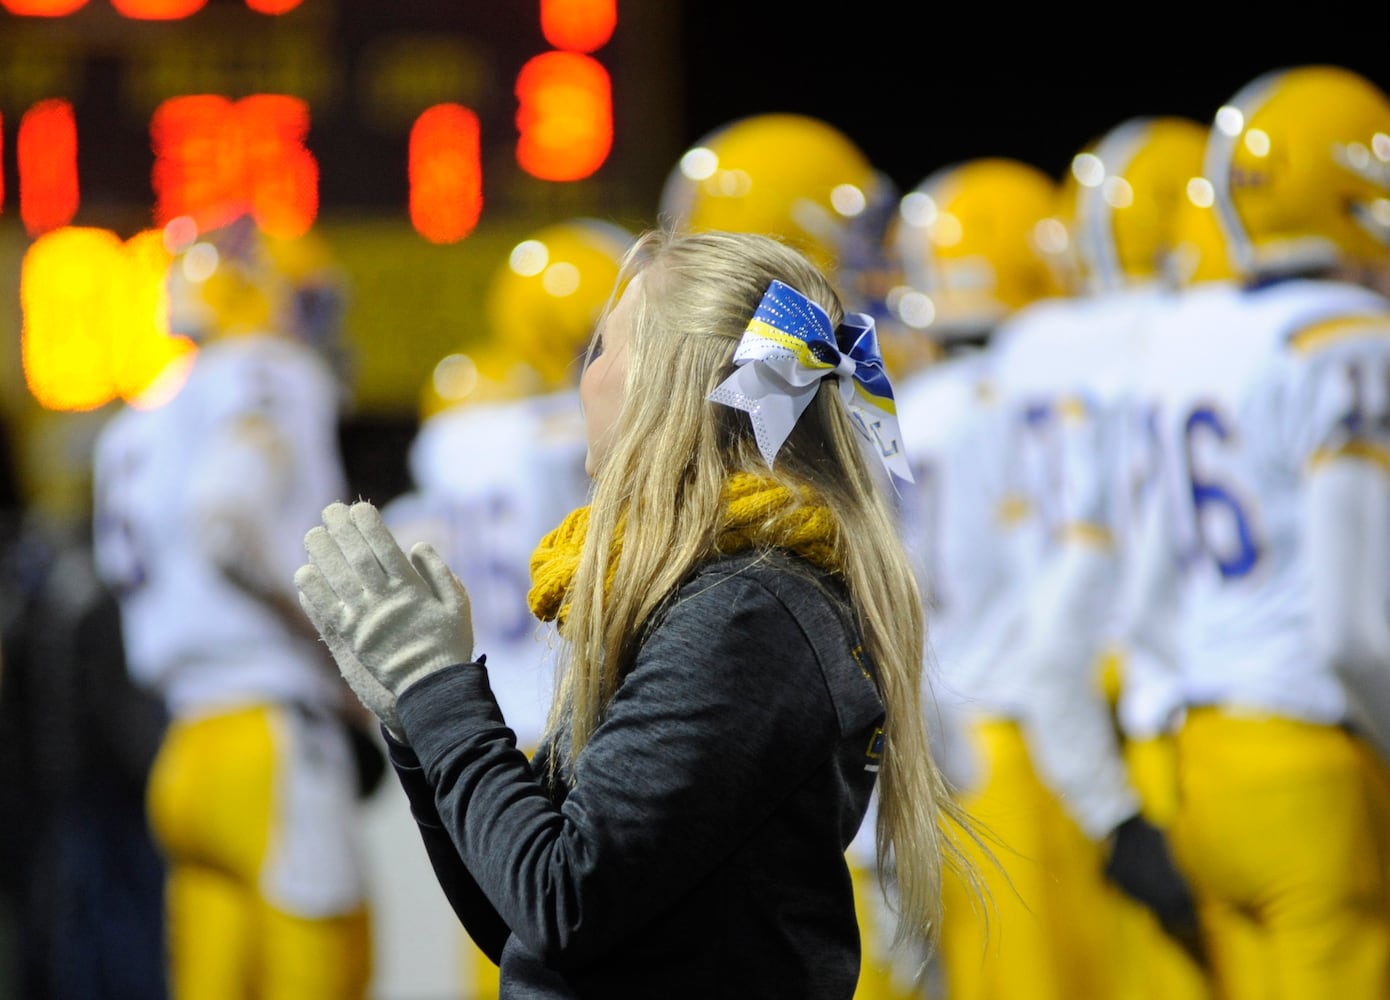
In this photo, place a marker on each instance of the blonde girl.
(742, 658)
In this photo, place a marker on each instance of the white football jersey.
(255, 425)
(490, 481)
(1064, 372)
(1249, 388)
(952, 531)
(1151, 697)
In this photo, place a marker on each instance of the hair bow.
(787, 348)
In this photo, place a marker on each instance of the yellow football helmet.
(222, 282)
(482, 374)
(544, 299)
(1199, 249)
(971, 244)
(795, 177)
(316, 289)
(1126, 189)
(235, 281)
(1300, 160)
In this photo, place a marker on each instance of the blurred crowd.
(1147, 412)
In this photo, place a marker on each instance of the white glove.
(389, 620)
(370, 692)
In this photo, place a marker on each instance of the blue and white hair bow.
(788, 347)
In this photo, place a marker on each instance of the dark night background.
(919, 86)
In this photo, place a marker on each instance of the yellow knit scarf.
(757, 512)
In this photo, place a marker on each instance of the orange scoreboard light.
(140, 10)
(209, 108)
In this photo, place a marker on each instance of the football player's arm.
(1148, 626)
(1347, 524)
(237, 490)
(1338, 430)
(1070, 732)
(1067, 720)
(1068, 723)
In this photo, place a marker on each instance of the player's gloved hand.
(1141, 864)
(389, 620)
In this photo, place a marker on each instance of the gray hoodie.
(700, 852)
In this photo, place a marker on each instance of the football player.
(1271, 420)
(203, 491)
(1064, 374)
(982, 248)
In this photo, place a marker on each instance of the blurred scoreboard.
(136, 101)
(418, 139)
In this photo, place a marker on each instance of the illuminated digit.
(157, 10)
(281, 176)
(42, 8)
(578, 25)
(47, 153)
(141, 344)
(1211, 499)
(197, 164)
(446, 174)
(564, 116)
(139, 10)
(216, 159)
(63, 293)
(93, 317)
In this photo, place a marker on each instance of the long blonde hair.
(660, 486)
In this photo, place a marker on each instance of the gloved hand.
(1141, 864)
(370, 692)
(388, 620)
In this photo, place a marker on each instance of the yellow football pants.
(1046, 929)
(885, 972)
(216, 814)
(484, 978)
(1281, 827)
(1151, 966)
